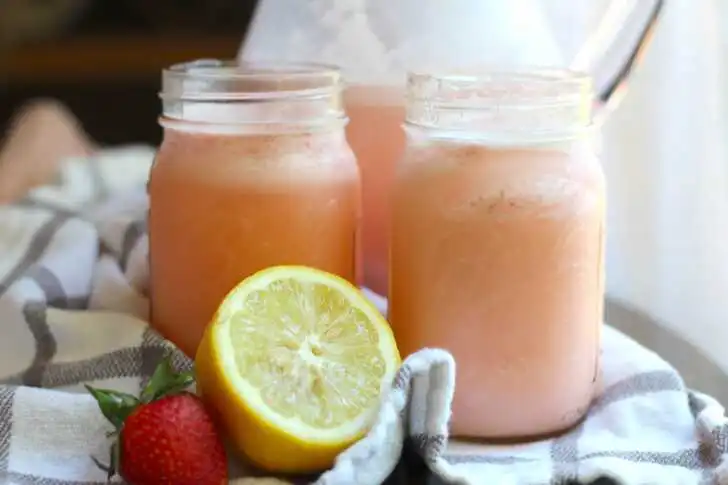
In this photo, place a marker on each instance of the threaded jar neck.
(533, 106)
(260, 97)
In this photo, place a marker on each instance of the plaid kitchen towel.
(72, 311)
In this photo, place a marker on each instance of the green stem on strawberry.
(166, 381)
(118, 406)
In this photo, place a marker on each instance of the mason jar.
(497, 245)
(254, 171)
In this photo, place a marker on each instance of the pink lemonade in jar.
(497, 253)
(375, 134)
(235, 190)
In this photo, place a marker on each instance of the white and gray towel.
(73, 311)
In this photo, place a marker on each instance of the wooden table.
(115, 58)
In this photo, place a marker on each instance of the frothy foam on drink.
(549, 183)
(262, 158)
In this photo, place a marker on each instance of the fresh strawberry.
(164, 437)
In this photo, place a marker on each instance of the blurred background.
(92, 54)
(665, 149)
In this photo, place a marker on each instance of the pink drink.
(497, 256)
(225, 207)
(238, 187)
(375, 134)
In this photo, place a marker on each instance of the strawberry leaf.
(166, 381)
(115, 406)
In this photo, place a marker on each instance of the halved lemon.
(294, 363)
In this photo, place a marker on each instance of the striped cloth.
(72, 311)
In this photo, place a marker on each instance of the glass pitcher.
(376, 41)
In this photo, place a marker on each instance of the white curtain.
(664, 153)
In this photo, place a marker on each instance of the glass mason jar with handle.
(254, 171)
(497, 245)
(377, 41)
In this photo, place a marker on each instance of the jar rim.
(544, 85)
(548, 74)
(229, 80)
(529, 102)
(263, 96)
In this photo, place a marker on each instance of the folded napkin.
(72, 279)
